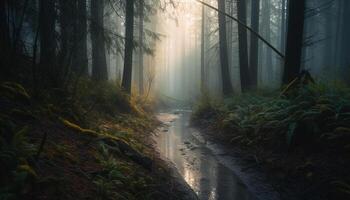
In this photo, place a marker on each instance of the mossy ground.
(53, 147)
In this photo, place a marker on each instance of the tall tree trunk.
(283, 26)
(243, 44)
(81, 47)
(141, 7)
(4, 37)
(129, 37)
(203, 51)
(225, 72)
(99, 63)
(254, 44)
(345, 39)
(266, 22)
(47, 15)
(67, 23)
(296, 13)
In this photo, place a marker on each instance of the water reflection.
(196, 163)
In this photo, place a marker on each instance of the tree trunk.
(4, 36)
(283, 26)
(243, 45)
(254, 44)
(203, 51)
(266, 22)
(345, 39)
(296, 12)
(47, 17)
(67, 23)
(81, 48)
(141, 7)
(225, 72)
(129, 36)
(99, 63)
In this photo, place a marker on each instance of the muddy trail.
(210, 169)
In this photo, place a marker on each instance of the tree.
(67, 31)
(129, 36)
(47, 19)
(296, 13)
(81, 60)
(254, 43)
(266, 63)
(4, 34)
(243, 44)
(141, 15)
(99, 64)
(202, 50)
(283, 26)
(225, 73)
(345, 32)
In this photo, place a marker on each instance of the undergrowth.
(98, 109)
(318, 113)
(313, 120)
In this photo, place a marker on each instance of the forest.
(174, 99)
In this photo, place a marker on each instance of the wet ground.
(196, 162)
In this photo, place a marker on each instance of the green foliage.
(319, 113)
(15, 150)
(106, 97)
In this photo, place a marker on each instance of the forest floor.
(301, 142)
(96, 149)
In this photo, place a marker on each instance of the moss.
(77, 128)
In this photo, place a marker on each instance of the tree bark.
(47, 16)
(283, 26)
(81, 48)
(4, 36)
(243, 45)
(99, 63)
(254, 44)
(129, 37)
(225, 72)
(296, 13)
(141, 7)
(203, 51)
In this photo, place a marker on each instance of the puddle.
(196, 162)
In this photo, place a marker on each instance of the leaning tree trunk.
(99, 63)
(225, 72)
(243, 45)
(254, 44)
(296, 13)
(129, 36)
(141, 7)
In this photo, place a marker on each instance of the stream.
(198, 164)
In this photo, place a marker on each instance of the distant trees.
(296, 13)
(99, 64)
(225, 72)
(128, 52)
